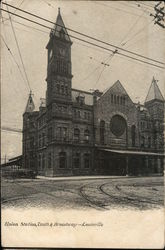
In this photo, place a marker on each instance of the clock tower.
(59, 73)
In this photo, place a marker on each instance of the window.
(62, 89)
(32, 142)
(58, 88)
(80, 99)
(85, 115)
(76, 134)
(86, 160)
(121, 100)
(50, 134)
(111, 98)
(39, 162)
(43, 139)
(142, 141)
(114, 99)
(65, 133)
(86, 135)
(39, 142)
(78, 114)
(117, 99)
(149, 142)
(49, 160)
(62, 160)
(43, 161)
(62, 34)
(76, 160)
(133, 135)
(102, 131)
(118, 125)
(66, 90)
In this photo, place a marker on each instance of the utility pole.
(159, 14)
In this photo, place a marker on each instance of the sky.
(114, 22)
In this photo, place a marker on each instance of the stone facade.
(82, 133)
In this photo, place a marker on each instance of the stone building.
(77, 132)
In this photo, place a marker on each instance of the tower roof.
(59, 28)
(30, 104)
(154, 92)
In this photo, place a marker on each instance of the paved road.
(101, 193)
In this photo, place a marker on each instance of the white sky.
(111, 21)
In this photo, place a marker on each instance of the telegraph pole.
(159, 14)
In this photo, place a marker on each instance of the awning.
(130, 152)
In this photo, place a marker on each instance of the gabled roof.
(30, 104)
(117, 88)
(60, 27)
(154, 92)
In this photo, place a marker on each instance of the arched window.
(76, 134)
(78, 114)
(102, 131)
(76, 160)
(117, 99)
(86, 135)
(39, 162)
(62, 160)
(111, 98)
(133, 135)
(62, 89)
(121, 100)
(43, 161)
(114, 99)
(86, 160)
(149, 142)
(142, 141)
(58, 88)
(49, 160)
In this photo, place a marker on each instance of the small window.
(78, 114)
(76, 134)
(76, 160)
(142, 141)
(86, 160)
(86, 135)
(121, 100)
(62, 160)
(117, 99)
(149, 142)
(111, 98)
(102, 131)
(49, 160)
(114, 99)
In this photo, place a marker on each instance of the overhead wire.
(91, 43)
(19, 51)
(80, 33)
(9, 50)
(121, 44)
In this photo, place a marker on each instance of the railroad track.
(92, 203)
(132, 197)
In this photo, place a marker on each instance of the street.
(79, 193)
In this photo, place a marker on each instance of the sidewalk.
(60, 178)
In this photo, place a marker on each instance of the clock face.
(62, 51)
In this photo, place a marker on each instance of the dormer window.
(80, 99)
(62, 34)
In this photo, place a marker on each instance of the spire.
(59, 28)
(154, 92)
(30, 104)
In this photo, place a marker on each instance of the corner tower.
(155, 105)
(59, 73)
